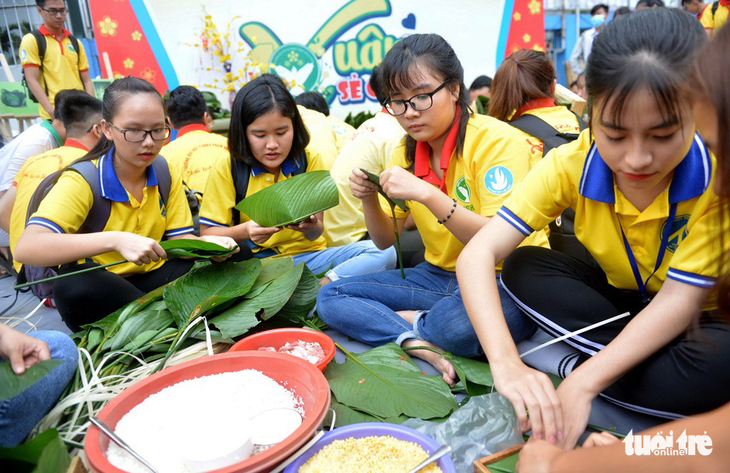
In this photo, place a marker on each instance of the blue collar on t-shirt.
(111, 186)
(691, 177)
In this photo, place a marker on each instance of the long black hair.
(433, 52)
(262, 95)
(652, 49)
(114, 95)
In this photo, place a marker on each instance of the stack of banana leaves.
(197, 314)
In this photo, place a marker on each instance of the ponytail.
(525, 75)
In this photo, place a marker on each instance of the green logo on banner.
(294, 62)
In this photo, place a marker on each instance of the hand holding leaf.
(375, 179)
(20, 349)
(135, 248)
(393, 202)
(259, 234)
(364, 184)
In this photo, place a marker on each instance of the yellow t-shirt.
(343, 131)
(371, 148)
(714, 21)
(494, 160)
(66, 206)
(218, 206)
(574, 175)
(193, 153)
(322, 138)
(30, 176)
(61, 63)
(559, 117)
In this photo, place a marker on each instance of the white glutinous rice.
(190, 418)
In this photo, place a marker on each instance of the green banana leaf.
(154, 320)
(203, 289)
(182, 247)
(303, 299)
(346, 415)
(95, 338)
(291, 200)
(475, 376)
(44, 453)
(12, 384)
(110, 324)
(505, 465)
(385, 382)
(268, 299)
(375, 179)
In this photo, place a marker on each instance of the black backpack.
(241, 173)
(562, 230)
(95, 221)
(40, 39)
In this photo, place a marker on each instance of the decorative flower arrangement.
(219, 50)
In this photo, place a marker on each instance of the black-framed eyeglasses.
(419, 102)
(55, 11)
(135, 136)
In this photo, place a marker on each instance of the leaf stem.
(65, 275)
(423, 347)
(397, 241)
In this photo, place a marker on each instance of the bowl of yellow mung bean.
(371, 447)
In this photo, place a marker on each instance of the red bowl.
(298, 375)
(278, 337)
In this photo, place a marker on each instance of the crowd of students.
(642, 182)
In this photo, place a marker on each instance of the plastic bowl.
(368, 429)
(278, 337)
(301, 377)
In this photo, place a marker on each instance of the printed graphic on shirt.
(462, 190)
(677, 233)
(498, 180)
(71, 48)
(23, 54)
(163, 209)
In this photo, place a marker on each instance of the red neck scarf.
(423, 156)
(543, 102)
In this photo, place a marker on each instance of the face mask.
(598, 20)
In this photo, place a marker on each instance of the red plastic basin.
(298, 375)
(278, 337)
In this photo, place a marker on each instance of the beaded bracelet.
(453, 208)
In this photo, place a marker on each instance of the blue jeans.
(361, 257)
(19, 414)
(365, 308)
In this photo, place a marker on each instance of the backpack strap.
(40, 40)
(715, 6)
(100, 208)
(164, 180)
(542, 130)
(241, 174)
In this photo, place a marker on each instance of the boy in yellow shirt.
(81, 114)
(195, 148)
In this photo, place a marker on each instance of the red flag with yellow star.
(527, 28)
(120, 33)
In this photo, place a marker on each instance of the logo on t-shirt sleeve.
(23, 54)
(498, 180)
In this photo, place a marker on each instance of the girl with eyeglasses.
(268, 136)
(642, 184)
(134, 130)
(454, 169)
